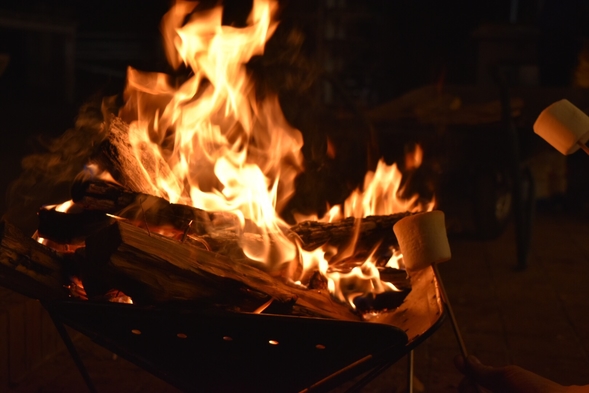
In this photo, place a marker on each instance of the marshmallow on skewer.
(423, 242)
(564, 126)
(422, 239)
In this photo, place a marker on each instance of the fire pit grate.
(212, 351)
(220, 351)
(198, 348)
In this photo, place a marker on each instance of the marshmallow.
(422, 239)
(563, 125)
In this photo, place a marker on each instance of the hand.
(506, 379)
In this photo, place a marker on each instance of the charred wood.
(151, 268)
(151, 210)
(29, 267)
(70, 227)
(103, 196)
(134, 168)
(372, 231)
(97, 195)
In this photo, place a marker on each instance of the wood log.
(72, 227)
(373, 230)
(134, 168)
(29, 267)
(97, 195)
(153, 211)
(161, 269)
(100, 195)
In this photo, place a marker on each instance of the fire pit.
(177, 213)
(194, 347)
(220, 352)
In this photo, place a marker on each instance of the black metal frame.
(196, 350)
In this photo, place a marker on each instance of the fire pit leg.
(72, 349)
(410, 372)
(359, 385)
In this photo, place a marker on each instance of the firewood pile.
(118, 241)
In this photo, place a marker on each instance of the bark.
(29, 267)
(103, 196)
(72, 227)
(151, 211)
(372, 230)
(151, 267)
(134, 168)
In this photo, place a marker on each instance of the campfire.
(181, 201)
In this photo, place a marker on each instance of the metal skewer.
(452, 316)
(410, 371)
(450, 311)
(583, 146)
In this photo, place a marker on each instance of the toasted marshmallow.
(422, 239)
(563, 125)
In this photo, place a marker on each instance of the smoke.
(47, 176)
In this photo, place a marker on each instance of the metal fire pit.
(217, 351)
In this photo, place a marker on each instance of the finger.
(470, 365)
(467, 386)
(459, 363)
(474, 367)
(478, 374)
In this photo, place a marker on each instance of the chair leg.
(524, 217)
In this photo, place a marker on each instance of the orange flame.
(224, 150)
(220, 148)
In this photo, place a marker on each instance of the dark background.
(375, 51)
(402, 44)
(350, 56)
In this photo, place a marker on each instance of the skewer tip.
(583, 147)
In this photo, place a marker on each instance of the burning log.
(110, 198)
(127, 165)
(29, 267)
(219, 232)
(155, 268)
(71, 227)
(181, 235)
(153, 211)
(103, 196)
(373, 230)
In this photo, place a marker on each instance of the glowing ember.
(62, 207)
(116, 296)
(76, 288)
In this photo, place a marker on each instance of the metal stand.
(410, 357)
(450, 311)
(71, 349)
